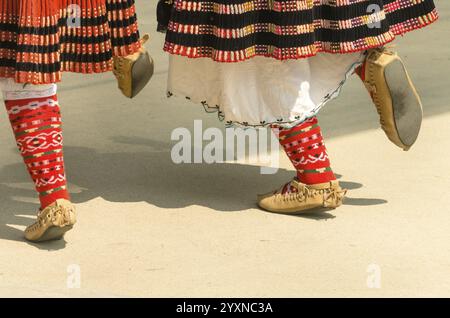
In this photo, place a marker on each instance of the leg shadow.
(148, 176)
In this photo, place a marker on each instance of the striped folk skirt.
(287, 70)
(40, 39)
(236, 30)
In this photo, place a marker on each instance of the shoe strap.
(298, 185)
(326, 185)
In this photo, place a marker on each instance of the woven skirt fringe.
(42, 38)
(289, 29)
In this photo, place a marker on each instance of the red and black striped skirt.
(39, 39)
(235, 30)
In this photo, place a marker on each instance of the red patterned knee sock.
(305, 148)
(360, 71)
(36, 123)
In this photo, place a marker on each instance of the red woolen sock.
(36, 123)
(305, 148)
(360, 71)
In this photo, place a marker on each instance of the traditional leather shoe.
(133, 72)
(52, 222)
(303, 197)
(394, 96)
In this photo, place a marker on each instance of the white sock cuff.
(16, 91)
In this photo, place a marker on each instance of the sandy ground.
(148, 227)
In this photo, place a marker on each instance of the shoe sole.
(407, 107)
(304, 212)
(313, 210)
(54, 233)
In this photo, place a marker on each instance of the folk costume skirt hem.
(234, 31)
(40, 39)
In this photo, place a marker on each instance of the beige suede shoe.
(133, 72)
(394, 96)
(52, 222)
(327, 195)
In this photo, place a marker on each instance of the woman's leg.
(315, 184)
(305, 148)
(35, 118)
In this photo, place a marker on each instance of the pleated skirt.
(236, 30)
(40, 39)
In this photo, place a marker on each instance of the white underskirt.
(261, 90)
(14, 91)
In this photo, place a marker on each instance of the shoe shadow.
(317, 214)
(148, 176)
(364, 201)
(357, 201)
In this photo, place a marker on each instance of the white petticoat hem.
(280, 122)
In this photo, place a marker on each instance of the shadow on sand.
(149, 177)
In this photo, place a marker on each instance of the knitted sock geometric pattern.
(36, 123)
(305, 148)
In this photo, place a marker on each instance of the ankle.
(316, 178)
(53, 197)
(360, 71)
